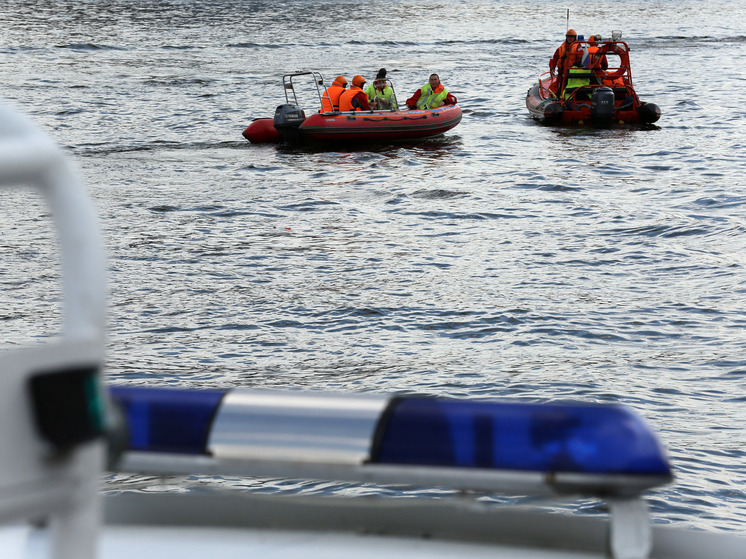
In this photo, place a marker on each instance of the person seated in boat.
(564, 57)
(330, 98)
(577, 77)
(380, 93)
(355, 99)
(430, 96)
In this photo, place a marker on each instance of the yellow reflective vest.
(429, 98)
(384, 98)
(576, 77)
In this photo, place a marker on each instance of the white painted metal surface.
(36, 482)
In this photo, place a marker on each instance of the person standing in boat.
(597, 60)
(355, 99)
(430, 96)
(564, 57)
(330, 99)
(380, 94)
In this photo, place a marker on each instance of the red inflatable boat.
(291, 125)
(592, 92)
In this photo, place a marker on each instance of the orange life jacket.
(330, 99)
(345, 101)
(598, 62)
(568, 55)
(613, 82)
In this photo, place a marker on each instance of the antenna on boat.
(568, 20)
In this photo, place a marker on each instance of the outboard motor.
(602, 104)
(288, 119)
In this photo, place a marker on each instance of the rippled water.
(505, 259)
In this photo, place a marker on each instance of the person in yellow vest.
(577, 77)
(355, 99)
(430, 96)
(380, 93)
(330, 98)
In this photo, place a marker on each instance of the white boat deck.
(159, 526)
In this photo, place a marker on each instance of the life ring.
(614, 48)
(618, 73)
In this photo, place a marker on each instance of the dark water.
(505, 259)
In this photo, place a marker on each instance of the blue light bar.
(596, 439)
(158, 420)
(597, 448)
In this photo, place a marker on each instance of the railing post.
(630, 534)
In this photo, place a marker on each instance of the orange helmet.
(571, 32)
(341, 80)
(358, 81)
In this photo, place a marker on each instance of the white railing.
(52, 480)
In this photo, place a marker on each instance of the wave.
(91, 47)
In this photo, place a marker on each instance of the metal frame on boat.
(51, 404)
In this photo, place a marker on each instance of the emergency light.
(569, 446)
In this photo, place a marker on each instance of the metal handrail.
(288, 85)
(42, 478)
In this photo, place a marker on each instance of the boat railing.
(545, 81)
(51, 411)
(395, 106)
(622, 86)
(288, 85)
(616, 77)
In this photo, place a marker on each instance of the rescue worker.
(380, 94)
(355, 99)
(577, 77)
(596, 60)
(564, 57)
(430, 96)
(330, 98)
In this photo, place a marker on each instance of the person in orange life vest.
(596, 60)
(355, 99)
(565, 54)
(330, 98)
(430, 96)
(564, 57)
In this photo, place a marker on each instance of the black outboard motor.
(288, 119)
(602, 105)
